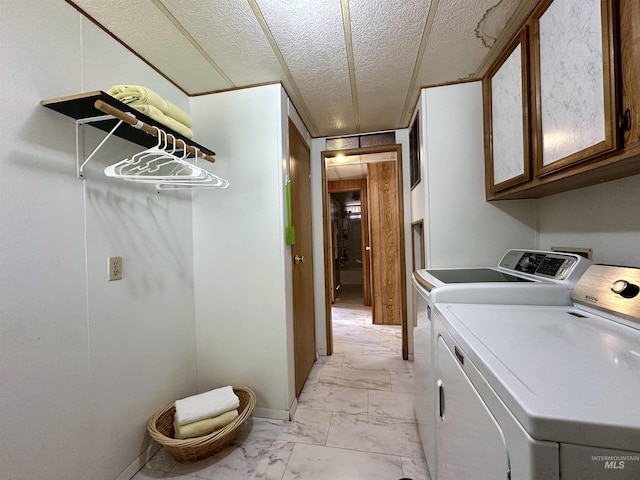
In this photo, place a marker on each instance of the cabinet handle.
(624, 121)
(441, 395)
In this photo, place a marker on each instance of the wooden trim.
(359, 185)
(490, 187)
(629, 55)
(611, 141)
(233, 89)
(403, 254)
(453, 82)
(360, 151)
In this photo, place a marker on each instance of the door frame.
(364, 227)
(397, 148)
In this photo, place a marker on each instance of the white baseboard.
(293, 408)
(270, 413)
(139, 462)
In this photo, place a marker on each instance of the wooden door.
(386, 261)
(304, 324)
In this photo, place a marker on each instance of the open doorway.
(349, 227)
(374, 174)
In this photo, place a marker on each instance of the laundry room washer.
(530, 277)
(533, 392)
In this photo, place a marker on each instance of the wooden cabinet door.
(506, 111)
(574, 83)
(630, 73)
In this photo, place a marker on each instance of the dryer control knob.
(625, 289)
(527, 263)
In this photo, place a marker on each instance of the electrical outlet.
(115, 268)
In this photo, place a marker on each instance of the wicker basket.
(160, 428)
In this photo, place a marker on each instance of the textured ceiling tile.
(230, 34)
(386, 40)
(210, 45)
(460, 38)
(147, 31)
(310, 36)
(493, 21)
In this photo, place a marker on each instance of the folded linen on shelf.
(204, 427)
(139, 95)
(205, 405)
(158, 116)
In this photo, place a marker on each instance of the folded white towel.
(204, 427)
(205, 405)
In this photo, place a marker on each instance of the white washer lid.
(565, 378)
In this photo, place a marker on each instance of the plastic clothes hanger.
(158, 165)
(163, 167)
(112, 170)
(210, 181)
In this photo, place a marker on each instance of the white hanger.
(112, 170)
(210, 182)
(156, 164)
(163, 167)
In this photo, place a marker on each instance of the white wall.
(242, 265)
(603, 217)
(461, 228)
(85, 362)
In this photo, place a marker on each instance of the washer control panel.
(542, 264)
(610, 288)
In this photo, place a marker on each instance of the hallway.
(355, 418)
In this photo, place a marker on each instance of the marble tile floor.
(355, 418)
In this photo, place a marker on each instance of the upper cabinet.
(574, 123)
(506, 112)
(574, 83)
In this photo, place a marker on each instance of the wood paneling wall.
(385, 243)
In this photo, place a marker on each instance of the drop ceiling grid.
(386, 40)
(310, 36)
(457, 52)
(230, 33)
(149, 33)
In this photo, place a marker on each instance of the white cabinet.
(470, 442)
